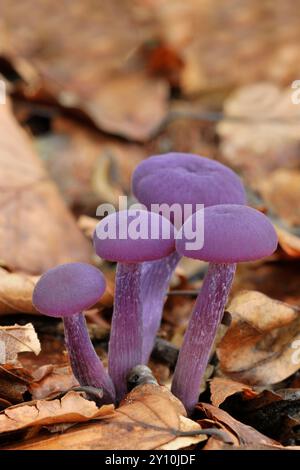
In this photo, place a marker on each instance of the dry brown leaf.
(149, 418)
(221, 388)
(16, 339)
(49, 381)
(273, 413)
(34, 220)
(16, 292)
(72, 408)
(258, 347)
(241, 434)
(130, 105)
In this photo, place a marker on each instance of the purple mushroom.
(65, 291)
(232, 234)
(176, 179)
(130, 238)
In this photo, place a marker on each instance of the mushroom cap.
(232, 233)
(68, 289)
(114, 236)
(185, 178)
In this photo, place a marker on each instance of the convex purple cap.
(232, 233)
(185, 178)
(134, 236)
(68, 289)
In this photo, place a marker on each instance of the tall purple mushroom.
(232, 234)
(130, 238)
(177, 179)
(65, 291)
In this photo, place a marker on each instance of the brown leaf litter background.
(93, 90)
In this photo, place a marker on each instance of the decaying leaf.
(33, 219)
(221, 388)
(72, 408)
(149, 418)
(16, 292)
(241, 434)
(258, 348)
(16, 339)
(13, 384)
(274, 413)
(49, 381)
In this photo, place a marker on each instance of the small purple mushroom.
(128, 238)
(65, 291)
(232, 234)
(177, 179)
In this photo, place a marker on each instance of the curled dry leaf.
(16, 292)
(33, 218)
(274, 413)
(16, 339)
(258, 348)
(221, 388)
(149, 418)
(49, 381)
(72, 408)
(240, 434)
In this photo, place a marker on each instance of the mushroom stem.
(125, 344)
(155, 280)
(86, 365)
(201, 332)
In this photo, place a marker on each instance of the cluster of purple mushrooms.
(233, 233)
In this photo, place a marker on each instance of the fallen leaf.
(258, 347)
(149, 418)
(49, 381)
(274, 413)
(34, 220)
(241, 434)
(16, 292)
(13, 385)
(72, 408)
(16, 339)
(221, 388)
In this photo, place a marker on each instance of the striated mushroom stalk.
(155, 279)
(232, 234)
(127, 237)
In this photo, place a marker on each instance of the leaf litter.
(147, 83)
